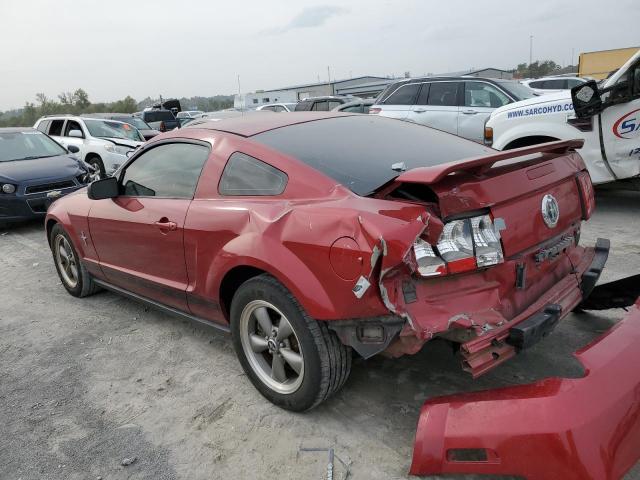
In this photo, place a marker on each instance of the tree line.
(78, 103)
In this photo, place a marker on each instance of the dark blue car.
(35, 171)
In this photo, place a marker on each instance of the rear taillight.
(374, 110)
(587, 196)
(464, 245)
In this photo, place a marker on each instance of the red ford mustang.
(309, 235)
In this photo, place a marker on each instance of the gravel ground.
(87, 385)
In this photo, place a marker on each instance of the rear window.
(159, 116)
(359, 151)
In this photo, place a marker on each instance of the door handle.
(420, 111)
(469, 112)
(165, 224)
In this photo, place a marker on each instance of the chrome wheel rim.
(271, 346)
(66, 261)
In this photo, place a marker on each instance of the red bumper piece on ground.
(582, 428)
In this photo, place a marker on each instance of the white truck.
(605, 115)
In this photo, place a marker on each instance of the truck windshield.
(107, 129)
(516, 89)
(27, 145)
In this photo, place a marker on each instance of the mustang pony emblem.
(550, 210)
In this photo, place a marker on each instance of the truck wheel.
(293, 360)
(73, 275)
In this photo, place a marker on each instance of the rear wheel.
(74, 276)
(293, 360)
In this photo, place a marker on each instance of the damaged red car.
(312, 235)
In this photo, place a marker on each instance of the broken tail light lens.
(464, 245)
(487, 242)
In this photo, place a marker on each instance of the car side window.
(480, 94)
(43, 126)
(556, 84)
(536, 84)
(245, 175)
(321, 106)
(303, 106)
(405, 95)
(573, 82)
(334, 104)
(56, 128)
(443, 94)
(169, 170)
(423, 98)
(72, 125)
(353, 109)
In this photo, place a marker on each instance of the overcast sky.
(198, 47)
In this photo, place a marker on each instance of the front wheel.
(294, 361)
(74, 276)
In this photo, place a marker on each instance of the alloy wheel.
(271, 346)
(66, 261)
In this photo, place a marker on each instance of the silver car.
(458, 105)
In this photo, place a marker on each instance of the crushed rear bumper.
(569, 428)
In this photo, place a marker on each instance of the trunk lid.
(528, 184)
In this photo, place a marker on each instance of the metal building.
(367, 86)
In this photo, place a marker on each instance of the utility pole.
(530, 49)
(329, 77)
(572, 55)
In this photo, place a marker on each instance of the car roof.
(327, 97)
(17, 129)
(249, 125)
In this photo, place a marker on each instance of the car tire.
(96, 162)
(324, 362)
(72, 273)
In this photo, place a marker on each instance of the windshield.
(108, 129)
(27, 145)
(359, 151)
(159, 116)
(516, 89)
(135, 121)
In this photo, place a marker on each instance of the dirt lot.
(86, 384)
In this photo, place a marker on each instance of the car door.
(138, 235)
(400, 102)
(621, 126)
(480, 99)
(437, 106)
(66, 139)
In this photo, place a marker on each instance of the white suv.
(104, 144)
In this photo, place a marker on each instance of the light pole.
(530, 49)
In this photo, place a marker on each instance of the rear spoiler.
(480, 164)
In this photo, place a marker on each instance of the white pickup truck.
(606, 116)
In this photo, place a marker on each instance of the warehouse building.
(365, 87)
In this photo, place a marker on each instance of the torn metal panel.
(569, 428)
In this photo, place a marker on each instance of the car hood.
(62, 166)
(558, 97)
(124, 142)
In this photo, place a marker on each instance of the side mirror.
(104, 188)
(586, 99)
(75, 134)
(73, 148)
